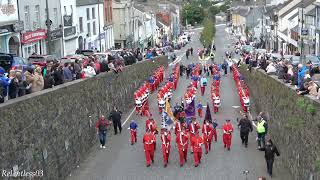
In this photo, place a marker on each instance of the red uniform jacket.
(194, 127)
(197, 142)
(178, 127)
(148, 141)
(182, 140)
(227, 128)
(152, 126)
(166, 139)
(207, 130)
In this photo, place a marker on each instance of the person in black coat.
(269, 151)
(115, 116)
(245, 127)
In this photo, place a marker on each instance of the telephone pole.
(48, 24)
(301, 36)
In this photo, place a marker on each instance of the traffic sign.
(50, 22)
(304, 32)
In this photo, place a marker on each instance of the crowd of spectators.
(305, 78)
(20, 82)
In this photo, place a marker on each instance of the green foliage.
(300, 103)
(212, 11)
(224, 7)
(208, 32)
(311, 109)
(192, 12)
(246, 30)
(317, 163)
(294, 122)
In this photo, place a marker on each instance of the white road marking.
(236, 107)
(217, 25)
(128, 117)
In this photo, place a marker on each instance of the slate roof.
(87, 2)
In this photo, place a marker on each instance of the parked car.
(276, 56)
(313, 59)
(247, 49)
(294, 60)
(103, 56)
(12, 61)
(41, 60)
(72, 58)
(87, 52)
(287, 57)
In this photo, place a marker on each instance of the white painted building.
(90, 23)
(70, 35)
(9, 37)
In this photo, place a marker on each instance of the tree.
(208, 32)
(212, 11)
(192, 12)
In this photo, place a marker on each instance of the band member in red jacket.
(197, 143)
(227, 134)
(182, 143)
(165, 139)
(178, 127)
(194, 126)
(149, 140)
(151, 124)
(207, 133)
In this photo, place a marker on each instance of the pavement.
(121, 161)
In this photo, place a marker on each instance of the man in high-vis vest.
(262, 129)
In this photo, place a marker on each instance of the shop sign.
(70, 31)
(34, 36)
(56, 34)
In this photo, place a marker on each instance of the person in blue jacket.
(4, 83)
(133, 131)
(301, 72)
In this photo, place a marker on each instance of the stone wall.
(294, 123)
(54, 129)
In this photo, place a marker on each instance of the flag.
(190, 109)
(208, 114)
(168, 110)
(167, 116)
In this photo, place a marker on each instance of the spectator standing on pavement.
(4, 83)
(67, 74)
(269, 151)
(13, 86)
(262, 129)
(187, 53)
(35, 80)
(102, 127)
(57, 75)
(115, 116)
(245, 127)
(191, 51)
(22, 84)
(77, 69)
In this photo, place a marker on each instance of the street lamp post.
(48, 24)
(301, 36)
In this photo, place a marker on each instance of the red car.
(41, 60)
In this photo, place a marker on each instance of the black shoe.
(246, 145)
(195, 165)
(132, 143)
(148, 165)
(181, 165)
(165, 165)
(115, 133)
(152, 161)
(206, 152)
(185, 160)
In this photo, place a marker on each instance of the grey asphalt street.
(121, 161)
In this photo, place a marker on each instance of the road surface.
(122, 161)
